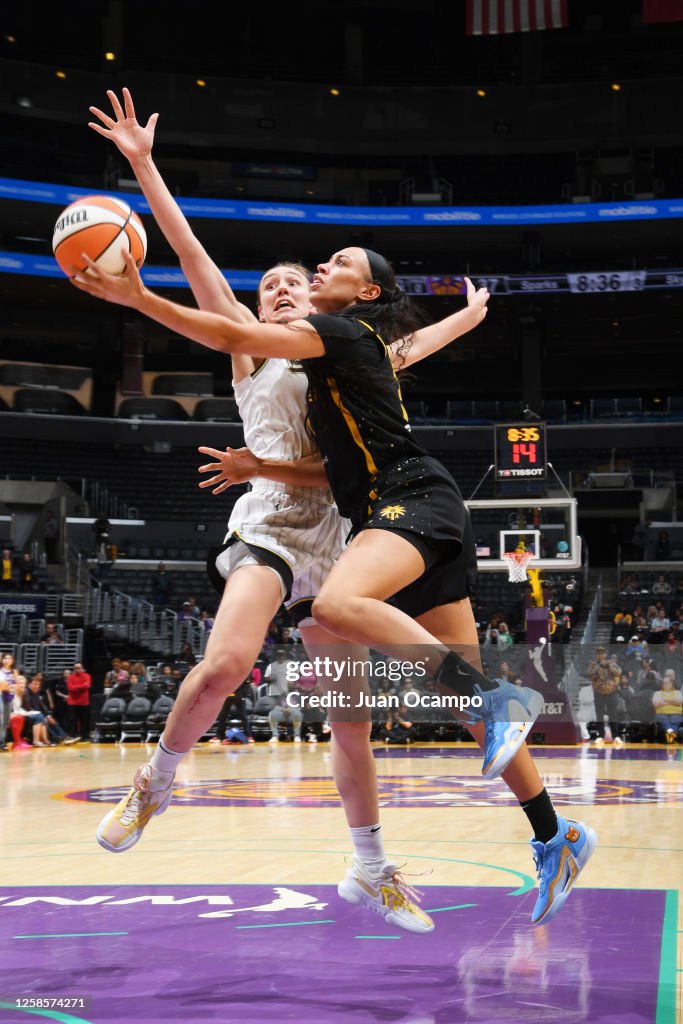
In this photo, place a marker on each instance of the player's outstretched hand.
(477, 298)
(233, 466)
(134, 140)
(125, 289)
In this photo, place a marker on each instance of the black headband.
(381, 274)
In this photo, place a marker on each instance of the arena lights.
(60, 74)
(200, 82)
(110, 55)
(335, 92)
(481, 93)
(616, 87)
(9, 38)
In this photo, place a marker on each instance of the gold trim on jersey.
(352, 425)
(255, 372)
(386, 349)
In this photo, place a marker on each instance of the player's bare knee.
(225, 670)
(331, 613)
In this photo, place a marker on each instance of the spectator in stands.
(140, 671)
(38, 702)
(672, 647)
(276, 674)
(51, 634)
(286, 635)
(659, 627)
(604, 674)
(636, 648)
(505, 638)
(622, 624)
(185, 612)
(8, 575)
(278, 688)
(50, 536)
(26, 573)
(28, 705)
(663, 546)
(629, 585)
(78, 689)
(19, 718)
(111, 676)
(648, 678)
(206, 619)
(272, 637)
(661, 587)
(283, 713)
(122, 687)
(398, 727)
(8, 680)
(187, 655)
(668, 705)
(101, 528)
(194, 607)
(163, 586)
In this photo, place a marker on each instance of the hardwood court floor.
(268, 818)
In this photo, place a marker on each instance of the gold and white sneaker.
(388, 894)
(150, 794)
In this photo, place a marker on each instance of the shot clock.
(520, 451)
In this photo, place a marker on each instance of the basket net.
(517, 565)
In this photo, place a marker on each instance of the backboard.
(546, 526)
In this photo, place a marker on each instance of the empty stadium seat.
(629, 406)
(603, 408)
(510, 411)
(133, 724)
(46, 402)
(183, 384)
(485, 409)
(151, 409)
(554, 410)
(459, 409)
(108, 722)
(217, 409)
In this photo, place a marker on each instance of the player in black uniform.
(408, 516)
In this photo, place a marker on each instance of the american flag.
(495, 17)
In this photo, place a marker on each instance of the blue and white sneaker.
(508, 713)
(558, 864)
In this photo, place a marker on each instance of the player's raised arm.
(135, 141)
(430, 339)
(298, 340)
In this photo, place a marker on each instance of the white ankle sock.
(164, 759)
(369, 847)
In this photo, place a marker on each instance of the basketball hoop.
(517, 565)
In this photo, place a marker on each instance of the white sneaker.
(274, 739)
(388, 894)
(150, 794)
(312, 738)
(297, 739)
(618, 742)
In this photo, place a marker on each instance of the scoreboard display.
(520, 452)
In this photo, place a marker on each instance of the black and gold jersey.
(356, 411)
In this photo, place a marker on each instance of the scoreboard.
(520, 452)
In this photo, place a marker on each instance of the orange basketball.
(100, 226)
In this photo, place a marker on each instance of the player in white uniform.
(281, 536)
(300, 526)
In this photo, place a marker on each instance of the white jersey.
(299, 525)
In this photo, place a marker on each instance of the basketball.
(100, 226)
